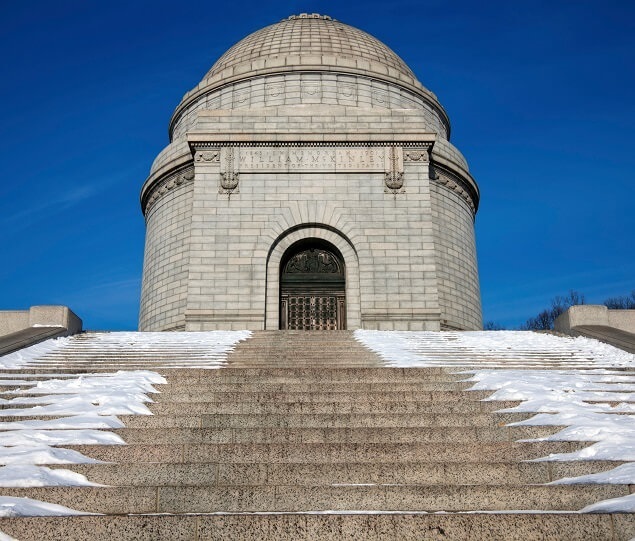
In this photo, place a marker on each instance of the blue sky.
(540, 96)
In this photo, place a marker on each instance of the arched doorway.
(312, 287)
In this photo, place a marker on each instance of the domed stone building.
(310, 184)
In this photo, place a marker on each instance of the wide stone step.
(326, 527)
(178, 384)
(256, 474)
(301, 375)
(353, 420)
(211, 395)
(336, 453)
(281, 375)
(333, 435)
(286, 498)
(427, 406)
(307, 397)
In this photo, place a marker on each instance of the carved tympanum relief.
(313, 261)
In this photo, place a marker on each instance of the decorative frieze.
(173, 181)
(240, 98)
(454, 183)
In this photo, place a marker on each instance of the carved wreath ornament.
(416, 155)
(208, 156)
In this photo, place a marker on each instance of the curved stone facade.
(309, 130)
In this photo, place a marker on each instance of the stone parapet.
(23, 328)
(12, 321)
(593, 315)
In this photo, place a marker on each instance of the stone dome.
(308, 46)
(310, 40)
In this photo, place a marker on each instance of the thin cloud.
(63, 202)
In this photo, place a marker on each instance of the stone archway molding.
(307, 232)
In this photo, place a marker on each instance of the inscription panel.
(317, 159)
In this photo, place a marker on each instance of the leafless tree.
(492, 326)
(625, 302)
(544, 320)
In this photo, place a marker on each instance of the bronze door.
(312, 291)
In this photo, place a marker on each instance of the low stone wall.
(12, 321)
(595, 314)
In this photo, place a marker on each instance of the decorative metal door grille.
(312, 313)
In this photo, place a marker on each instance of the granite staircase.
(307, 435)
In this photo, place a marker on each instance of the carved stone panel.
(241, 98)
(311, 91)
(311, 159)
(274, 92)
(346, 93)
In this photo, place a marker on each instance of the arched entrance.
(312, 287)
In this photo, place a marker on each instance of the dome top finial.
(309, 16)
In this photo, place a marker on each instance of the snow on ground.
(26, 507)
(582, 401)
(582, 390)
(490, 348)
(25, 355)
(80, 409)
(625, 504)
(104, 394)
(38, 476)
(206, 349)
(76, 410)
